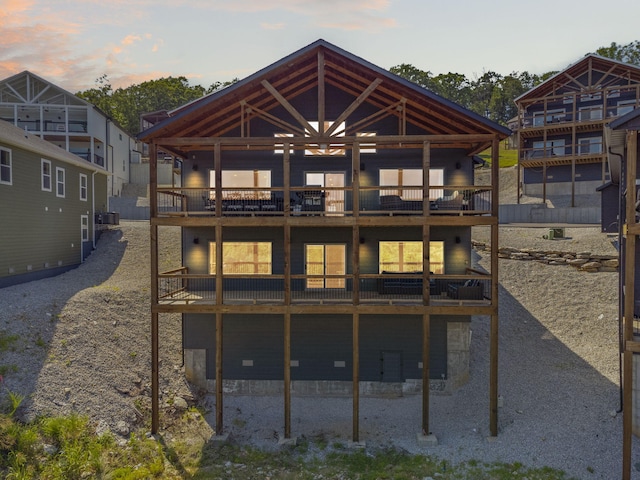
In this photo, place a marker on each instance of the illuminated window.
(243, 184)
(408, 182)
(329, 150)
(407, 257)
(367, 147)
(323, 260)
(242, 258)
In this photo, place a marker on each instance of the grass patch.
(68, 448)
(506, 157)
(7, 342)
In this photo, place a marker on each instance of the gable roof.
(630, 120)
(12, 136)
(220, 112)
(611, 68)
(28, 88)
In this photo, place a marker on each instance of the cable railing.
(326, 201)
(180, 287)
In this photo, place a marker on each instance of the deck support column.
(629, 302)
(356, 377)
(287, 331)
(493, 350)
(155, 335)
(426, 334)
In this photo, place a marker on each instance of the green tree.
(629, 53)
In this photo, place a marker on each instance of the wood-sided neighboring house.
(326, 210)
(42, 108)
(562, 148)
(624, 141)
(48, 202)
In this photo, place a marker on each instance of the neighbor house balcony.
(325, 201)
(585, 151)
(179, 287)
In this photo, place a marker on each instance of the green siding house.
(48, 203)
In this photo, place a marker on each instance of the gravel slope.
(82, 343)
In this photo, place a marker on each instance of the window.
(552, 116)
(325, 260)
(240, 184)
(407, 257)
(6, 172)
(242, 258)
(280, 150)
(329, 150)
(367, 147)
(589, 145)
(59, 182)
(84, 227)
(625, 107)
(409, 182)
(334, 199)
(553, 147)
(46, 175)
(587, 114)
(83, 187)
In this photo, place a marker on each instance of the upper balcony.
(557, 152)
(326, 201)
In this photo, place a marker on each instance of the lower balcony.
(179, 287)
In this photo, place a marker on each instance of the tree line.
(490, 95)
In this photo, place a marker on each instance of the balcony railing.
(326, 201)
(178, 287)
(557, 153)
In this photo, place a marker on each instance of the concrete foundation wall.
(539, 213)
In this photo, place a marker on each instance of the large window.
(322, 260)
(84, 227)
(552, 147)
(46, 175)
(242, 258)
(551, 116)
(6, 167)
(243, 184)
(59, 182)
(408, 182)
(587, 114)
(407, 257)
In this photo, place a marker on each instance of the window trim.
(84, 188)
(401, 263)
(84, 228)
(44, 176)
(60, 183)
(8, 166)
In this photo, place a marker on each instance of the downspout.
(93, 207)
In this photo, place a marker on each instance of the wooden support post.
(219, 398)
(573, 181)
(287, 375)
(286, 173)
(426, 335)
(155, 335)
(629, 302)
(321, 93)
(355, 261)
(426, 166)
(356, 377)
(355, 180)
(493, 353)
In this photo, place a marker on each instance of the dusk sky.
(73, 42)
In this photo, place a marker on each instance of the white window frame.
(590, 114)
(84, 228)
(553, 147)
(6, 165)
(550, 115)
(44, 176)
(263, 178)
(60, 182)
(84, 187)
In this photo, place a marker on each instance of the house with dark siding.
(562, 147)
(326, 208)
(48, 203)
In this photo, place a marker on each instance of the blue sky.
(73, 42)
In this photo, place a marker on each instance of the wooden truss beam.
(289, 108)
